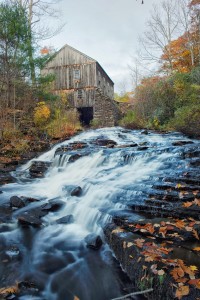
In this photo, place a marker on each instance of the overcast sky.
(106, 30)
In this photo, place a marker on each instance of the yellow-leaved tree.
(41, 114)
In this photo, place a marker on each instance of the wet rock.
(144, 132)
(27, 285)
(51, 264)
(191, 154)
(38, 169)
(66, 220)
(6, 178)
(104, 142)
(5, 213)
(142, 148)
(74, 157)
(93, 241)
(13, 252)
(77, 191)
(72, 146)
(29, 219)
(182, 143)
(1, 192)
(16, 202)
(127, 145)
(52, 205)
(28, 200)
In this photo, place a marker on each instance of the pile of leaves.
(156, 248)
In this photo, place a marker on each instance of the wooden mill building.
(87, 86)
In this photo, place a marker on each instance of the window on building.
(80, 94)
(77, 74)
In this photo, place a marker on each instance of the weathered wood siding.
(66, 64)
(103, 82)
(87, 99)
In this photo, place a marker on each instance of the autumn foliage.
(41, 114)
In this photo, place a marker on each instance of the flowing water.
(55, 256)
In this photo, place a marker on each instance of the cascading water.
(55, 256)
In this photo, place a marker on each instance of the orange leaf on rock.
(117, 230)
(196, 201)
(196, 249)
(182, 291)
(177, 273)
(195, 233)
(180, 224)
(187, 204)
(139, 242)
(163, 231)
(195, 282)
(9, 290)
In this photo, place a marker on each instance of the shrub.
(41, 114)
(64, 124)
(132, 121)
(187, 120)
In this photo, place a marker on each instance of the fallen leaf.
(156, 225)
(195, 233)
(188, 228)
(196, 249)
(139, 243)
(182, 291)
(193, 268)
(196, 201)
(178, 186)
(195, 282)
(9, 290)
(180, 224)
(177, 273)
(118, 229)
(161, 272)
(163, 231)
(187, 204)
(129, 244)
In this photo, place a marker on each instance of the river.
(55, 256)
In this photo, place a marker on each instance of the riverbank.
(141, 187)
(13, 154)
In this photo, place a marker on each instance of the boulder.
(181, 143)
(52, 205)
(66, 220)
(144, 132)
(93, 241)
(72, 146)
(105, 142)
(6, 178)
(29, 220)
(77, 191)
(143, 148)
(38, 169)
(74, 157)
(16, 202)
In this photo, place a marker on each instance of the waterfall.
(109, 178)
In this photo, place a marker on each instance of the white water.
(101, 175)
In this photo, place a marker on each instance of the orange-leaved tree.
(184, 53)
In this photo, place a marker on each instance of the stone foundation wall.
(106, 111)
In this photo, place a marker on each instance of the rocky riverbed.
(134, 194)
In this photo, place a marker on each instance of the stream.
(88, 187)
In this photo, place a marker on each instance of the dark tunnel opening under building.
(85, 115)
